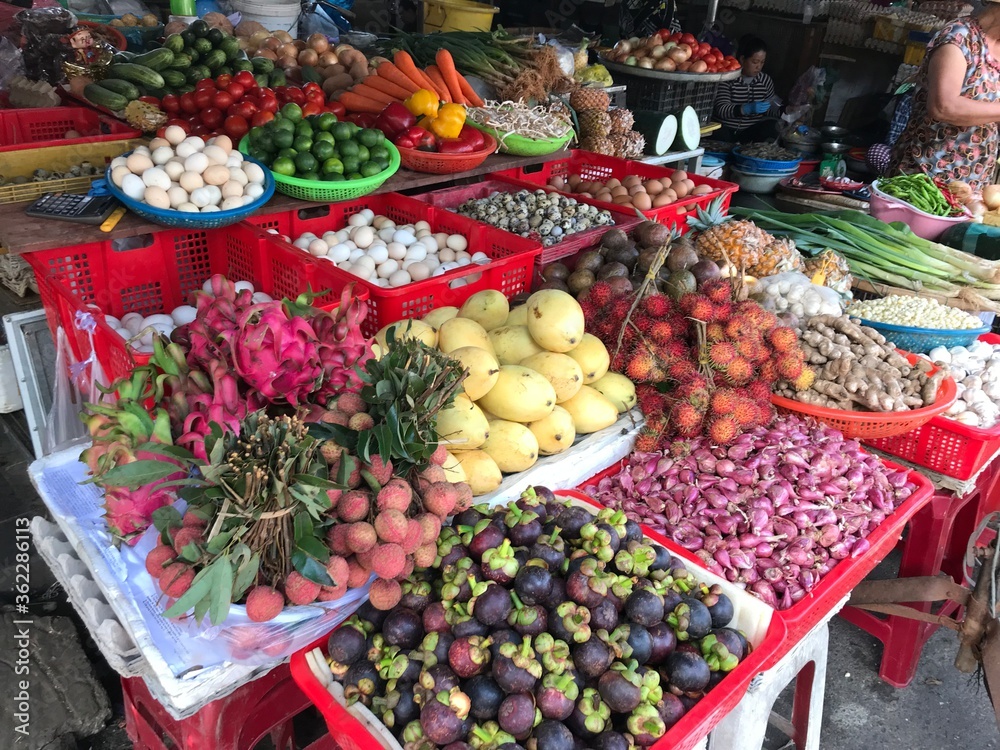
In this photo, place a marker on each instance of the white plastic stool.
(745, 726)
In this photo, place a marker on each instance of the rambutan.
(640, 367)
(715, 332)
(698, 397)
(721, 312)
(675, 349)
(717, 290)
(680, 448)
(758, 390)
(745, 413)
(681, 371)
(737, 327)
(783, 339)
(651, 401)
(768, 371)
(646, 441)
(697, 306)
(657, 305)
(698, 381)
(738, 372)
(589, 309)
(722, 354)
(600, 294)
(758, 352)
(686, 419)
(723, 402)
(661, 331)
(789, 366)
(722, 430)
(805, 379)
(619, 308)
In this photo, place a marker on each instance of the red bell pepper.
(417, 138)
(337, 108)
(394, 120)
(469, 140)
(361, 119)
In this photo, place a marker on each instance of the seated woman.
(744, 106)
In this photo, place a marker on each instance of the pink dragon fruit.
(343, 348)
(277, 355)
(209, 336)
(224, 406)
(129, 512)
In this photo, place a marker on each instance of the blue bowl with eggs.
(189, 220)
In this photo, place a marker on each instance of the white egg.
(378, 253)
(302, 243)
(421, 233)
(174, 170)
(345, 265)
(416, 251)
(368, 214)
(238, 175)
(472, 278)
(231, 204)
(158, 142)
(364, 237)
(400, 278)
(156, 197)
(254, 172)
(366, 260)
(112, 321)
(196, 142)
(397, 250)
(446, 255)
(174, 134)
(385, 233)
(196, 162)
(216, 155)
(254, 190)
(457, 242)
(138, 163)
(157, 319)
(355, 253)
(465, 260)
(330, 237)
(184, 150)
(384, 283)
(215, 194)
(162, 155)
(430, 242)
(387, 268)
(431, 261)
(318, 247)
(338, 252)
(343, 235)
(439, 271)
(361, 271)
(156, 177)
(379, 221)
(457, 283)
(118, 174)
(357, 220)
(418, 271)
(188, 208)
(132, 321)
(246, 200)
(259, 297)
(450, 266)
(209, 209)
(422, 225)
(480, 257)
(404, 236)
(183, 314)
(201, 197)
(133, 186)
(191, 181)
(118, 161)
(244, 286)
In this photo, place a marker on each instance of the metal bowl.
(836, 147)
(834, 132)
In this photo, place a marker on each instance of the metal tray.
(659, 75)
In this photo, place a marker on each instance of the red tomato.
(244, 109)
(676, 37)
(212, 117)
(188, 104)
(296, 95)
(664, 34)
(311, 108)
(261, 118)
(236, 127)
(269, 104)
(182, 124)
(337, 108)
(222, 100)
(688, 39)
(223, 81)
(310, 87)
(171, 104)
(203, 98)
(236, 90)
(200, 130)
(150, 100)
(264, 91)
(245, 78)
(205, 83)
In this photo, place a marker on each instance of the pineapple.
(144, 117)
(636, 144)
(594, 123)
(621, 121)
(829, 269)
(779, 256)
(598, 146)
(589, 98)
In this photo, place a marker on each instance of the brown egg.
(701, 190)
(636, 189)
(653, 187)
(680, 188)
(690, 185)
(663, 199)
(642, 201)
(671, 193)
(679, 174)
(557, 182)
(619, 191)
(574, 180)
(604, 195)
(621, 200)
(631, 180)
(613, 183)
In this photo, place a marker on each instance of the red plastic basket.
(509, 270)
(435, 163)
(944, 445)
(156, 272)
(591, 166)
(805, 614)
(867, 425)
(684, 735)
(47, 126)
(452, 198)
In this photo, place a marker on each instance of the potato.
(520, 395)
(555, 320)
(593, 358)
(436, 317)
(562, 371)
(458, 332)
(462, 425)
(484, 370)
(618, 389)
(554, 433)
(482, 471)
(408, 329)
(591, 410)
(513, 344)
(489, 308)
(512, 445)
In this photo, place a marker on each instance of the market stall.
(421, 388)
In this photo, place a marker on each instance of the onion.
(319, 42)
(991, 197)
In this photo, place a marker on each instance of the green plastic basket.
(331, 192)
(512, 143)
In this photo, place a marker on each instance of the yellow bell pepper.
(449, 121)
(422, 103)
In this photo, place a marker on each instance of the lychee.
(299, 589)
(723, 401)
(333, 496)
(365, 559)
(722, 430)
(337, 569)
(789, 366)
(396, 495)
(440, 455)
(194, 520)
(783, 339)
(430, 527)
(176, 579)
(434, 473)
(264, 603)
(334, 416)
(186, 535)
(332, 593)
(381, 470)
(388, 561)
(440, 499)
(353, 479)
(357, 575)
(391, 525)
(425, 555)
(414, 536)
(361, 421)
(157, 558)
(464, 497)
(385, 594)
(337, 539)
(330, 451)
(361, 537)
(276, 642)
(407, 570)
(351, 403)
(354, 506)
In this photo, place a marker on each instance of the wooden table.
(21, 234)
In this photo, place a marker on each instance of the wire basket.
(185, 220)
(922, 340)
(518, 145)
(432, 162)
(866, 425)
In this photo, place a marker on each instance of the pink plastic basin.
(888, 209)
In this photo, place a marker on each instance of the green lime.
(283, 139)
(288, 153)
(370, 168)
(283, 166)
(379, 154)
(292, 111)
(379, 138)
(323, 136)
(326, 120)
(347, 148)
(342, 131)
(363, 154)
(323, 150)
(333, 177)
(282, 124)
(304, 128)
(368, 137)
(351, 164)
(333, 165)
(305, 162)
(302, 143)
(355, 176)
(312, 175)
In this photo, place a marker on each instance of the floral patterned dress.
(949, 151)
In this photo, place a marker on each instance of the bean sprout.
(517, 118)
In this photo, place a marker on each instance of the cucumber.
(138, 74)
(102, 97)
(262, 65)
(192, 53)
(311, 75)
(181, 62)
(173, 78)
(658, 129)
(241, 65)
(125, 88)
(196, 72)
(157, 59)
(174, 43)
(277, 78)
(215, 59)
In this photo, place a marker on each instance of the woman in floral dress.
(952, 131)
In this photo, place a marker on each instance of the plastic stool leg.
(810, 691)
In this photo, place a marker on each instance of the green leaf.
(218, 542)
(137, 474)
(222, 592)
(167, 517)
(303, 525)
(201, 587)
(314, 548)
(310, 568)
(245, 576)
(190, 552)
(311, 480)
(173, 451)
(201, 608)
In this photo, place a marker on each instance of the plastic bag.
(45, 31)
(11, 63)
(62, 424)
(793, 293)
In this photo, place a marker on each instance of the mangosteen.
(523, 526)
(592, 658)
(664, 642)
(368, 613)
(434, 648)
(717, 655)
(529, 620)
(502, 636)
(719, 606)
(556, 696)
(457, 580)
(403, 627)
(499, 563)
(491, 604)
(671, 709)
(557, 593)
(554, 654)
(689, 701)
(346, 644)
(644, 607)
(590, 716)
(416, 595)
(604, 616)
(518, 715)
(670, 600)
(362, 681)
(443, 717)
(733, 640)
(469, 656)
(636, 642)
(485, 695)
(550, 548)
(400, 666)
(487, 535)
(601, 540)
(434, 679)
(570, 622)
(458, 746)
(645, 725)
(434, 618)
(400, 707)
(471, 516)
(533, 582)
(586, 590)
(691, 619)
(619, 688)
(610, 741)
(633, 533)
(580, 558)
(516, 669)
(469, 626)
(688, 673)
(510, 746)
(551, 735)
(664, 560)
(553, 504)
(530, 500)
(571, 520)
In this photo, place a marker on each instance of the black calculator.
(86, 209)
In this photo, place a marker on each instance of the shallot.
(773, 513)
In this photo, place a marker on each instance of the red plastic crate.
(805, 614)
(509, 270)
(155, 273)
(944, 445)
(591, 166)
(47, 126)
(684, 735)
(451, 198)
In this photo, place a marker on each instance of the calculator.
(85, 209)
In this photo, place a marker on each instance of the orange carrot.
(405, 63)
(369, 92)
(434, 74)
(471, 97)
(358, 103)
(446, 64)
(387, 87)
(390, 72)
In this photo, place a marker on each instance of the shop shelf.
(47, 126)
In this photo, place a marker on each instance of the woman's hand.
(755, 108)
(945, 103)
